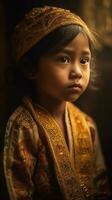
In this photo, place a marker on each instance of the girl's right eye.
(63, 59)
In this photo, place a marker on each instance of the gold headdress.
(38, 23)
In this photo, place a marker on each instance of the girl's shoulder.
(21, 117)
(80, 115)
(22, 127)
(83, 118)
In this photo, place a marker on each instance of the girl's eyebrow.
(86, 52)
(71, 51)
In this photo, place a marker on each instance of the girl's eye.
(84, 61)
(64, 59)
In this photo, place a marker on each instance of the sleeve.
(101, 182)
(20, 155)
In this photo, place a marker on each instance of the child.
(51, 147)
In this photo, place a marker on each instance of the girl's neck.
(55, 107)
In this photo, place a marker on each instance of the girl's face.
(65, 75)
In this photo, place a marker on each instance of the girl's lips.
(75, 85)
(75, 88)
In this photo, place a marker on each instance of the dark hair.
(53, 42)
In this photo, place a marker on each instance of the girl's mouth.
(75, 85)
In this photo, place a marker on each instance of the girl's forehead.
(80, 43)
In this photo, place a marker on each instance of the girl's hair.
(28, 64)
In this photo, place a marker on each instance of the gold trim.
(83, 150)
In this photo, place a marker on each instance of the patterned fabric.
(38, 162)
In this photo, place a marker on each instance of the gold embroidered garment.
(40, 164)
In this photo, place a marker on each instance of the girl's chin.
(72, 98)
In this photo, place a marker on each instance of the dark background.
(97, 103)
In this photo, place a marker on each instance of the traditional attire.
(40, 164)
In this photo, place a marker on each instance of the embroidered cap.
(38, 23)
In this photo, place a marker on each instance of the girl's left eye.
(84, 61)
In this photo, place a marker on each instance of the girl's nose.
(75, 72)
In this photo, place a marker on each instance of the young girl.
(51, 147)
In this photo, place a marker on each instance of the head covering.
(38, 23)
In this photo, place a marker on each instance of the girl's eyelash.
(84, 60)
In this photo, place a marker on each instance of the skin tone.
(63, 76)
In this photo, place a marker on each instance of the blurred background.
(97, 103)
